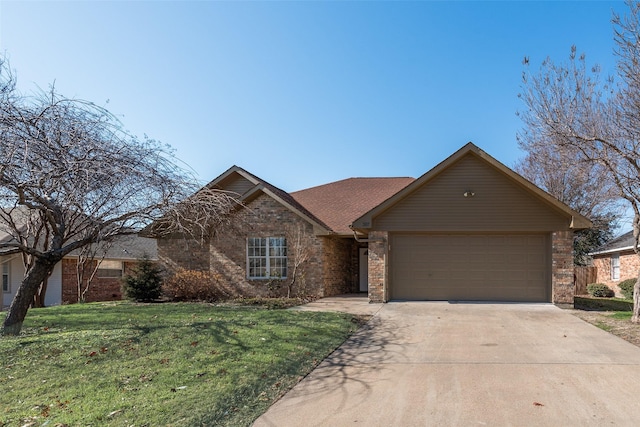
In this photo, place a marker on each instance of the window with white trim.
(615, 267)
(266, 257)
(110, 268)
(6, 277)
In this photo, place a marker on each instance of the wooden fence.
(582, 277)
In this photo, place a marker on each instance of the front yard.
(617, 323)
(124, 364)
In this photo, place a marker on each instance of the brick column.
(562, 267)
(377, 266)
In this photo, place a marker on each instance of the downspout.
(359, 240)
(355, 236)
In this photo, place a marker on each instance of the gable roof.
(621, 243)
(258, 185)
(578, 221)
(339, 203)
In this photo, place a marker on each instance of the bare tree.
(571, 106)
(72, 175)
(299, 248)
(586, 187)
(87, 264)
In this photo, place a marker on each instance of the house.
(616, 261)
(468, 229)
(116, 259)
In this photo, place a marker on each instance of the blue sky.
(304, 93)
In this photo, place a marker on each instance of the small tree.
(145, 282)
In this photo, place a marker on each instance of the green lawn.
(122, 364)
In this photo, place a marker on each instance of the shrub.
(626, 287)
(145, 282)
(599, 290)
(193, 285)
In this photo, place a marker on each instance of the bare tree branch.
(72, 175)
(572, 107)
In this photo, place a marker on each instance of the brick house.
(616, 261)
(469, 229)
(62, 286)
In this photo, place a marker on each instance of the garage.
(471, 229)
(470, 267)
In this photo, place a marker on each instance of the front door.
(364, 270)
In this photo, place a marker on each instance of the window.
(6, 284)
(615, 267)
(266, 257)
(109, 268)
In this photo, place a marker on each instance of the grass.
(122, 364)
(604, 326)
(621, 315)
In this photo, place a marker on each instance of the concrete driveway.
(465, 364)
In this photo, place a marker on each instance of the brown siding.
(499, 204)
(236, 184)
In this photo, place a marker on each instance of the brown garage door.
(470, 267)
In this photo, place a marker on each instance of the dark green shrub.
(145, 282)
(626, 287)
(599, 290)
(601, 304)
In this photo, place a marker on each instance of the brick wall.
(629, 268)
(100, 289)
(265, 217)
(562, 267)
(179, 252)
(340, 260)
(378, 279)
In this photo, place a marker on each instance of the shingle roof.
(339, 203)
(619, 243)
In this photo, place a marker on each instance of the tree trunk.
(636, 302)
(38, 298)
(40, 271)
(636, 288)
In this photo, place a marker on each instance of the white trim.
(267, 257)
(609, 251)
(6, 265)
(615, 266)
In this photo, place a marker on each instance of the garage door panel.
(470, 267)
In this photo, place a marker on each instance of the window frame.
(106, 269)
(615, 266)
(6, 273)
(267, 255)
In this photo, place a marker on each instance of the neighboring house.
(469, 229)
(62, 286)
(616, 261)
